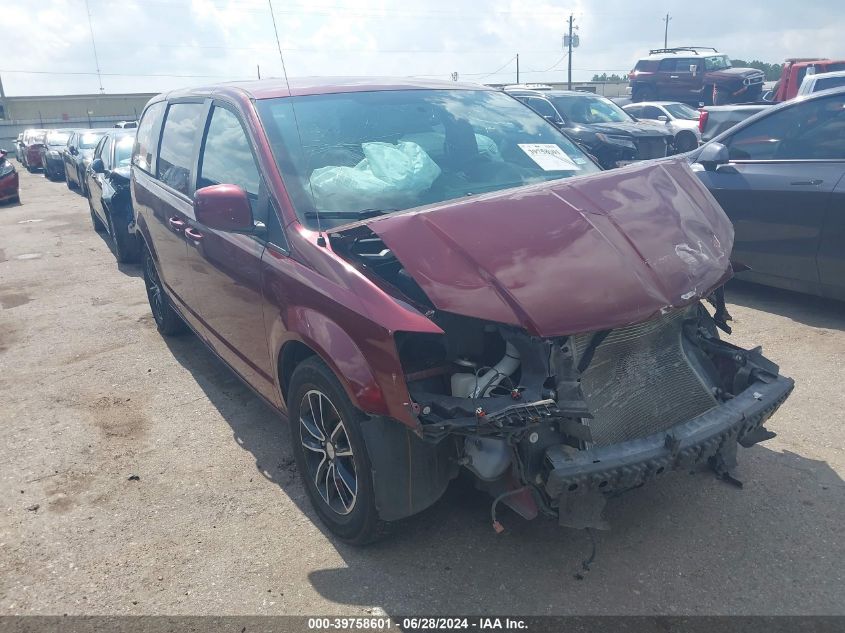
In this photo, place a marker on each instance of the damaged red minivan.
(429, 277)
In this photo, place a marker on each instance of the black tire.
(168, 322)
(685, 142)
(350, 515)
(70, 185)
(30, 169)
(644, 93)
(98, 224)
(125, 245)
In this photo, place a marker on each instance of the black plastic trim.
(630, 464)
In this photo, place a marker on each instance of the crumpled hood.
(575, 255)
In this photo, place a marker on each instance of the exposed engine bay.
(556, 424)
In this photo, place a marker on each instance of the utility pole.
(569, 53)
(666, 31)
(517, 68)
(258, 68)
(3, 106)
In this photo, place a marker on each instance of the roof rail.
(691, 49)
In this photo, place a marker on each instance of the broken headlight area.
(556, 425)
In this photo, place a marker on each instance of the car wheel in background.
(167, 321)
(331, 454)
(125, 244)
(70, 184)
(685, 142)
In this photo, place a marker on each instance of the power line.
(79, 72)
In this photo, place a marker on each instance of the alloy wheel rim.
(329, 459)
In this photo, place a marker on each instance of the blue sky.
(154, 45)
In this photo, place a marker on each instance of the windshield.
(826, 83)
(88, 141)
(587, 109)
(716, 62)
(361, 153)
(123, 151)
(58, 138)
(682, 111)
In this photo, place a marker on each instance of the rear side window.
(806, 131)
(175, 158)
(146, 140)
(226, 156)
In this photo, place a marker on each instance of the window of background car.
(826, 83)
(57, 138)
(716, 62)
(682, 111)
(146, 140)
(587, 109)
(650, 112)
(123, 151)
(89, 140)
(397, 149)
(542, 107)
(811, 130)
(226, 156)
(175, 158)
(105, 151)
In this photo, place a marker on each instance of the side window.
(635, 111)
(650, 112)
(147, 137)
(682, 65)
(102, 150)
(667, 65)
(226, 156)
(811, 130)
(543, 108)
(176, 155)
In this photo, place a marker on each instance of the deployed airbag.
(389, 176)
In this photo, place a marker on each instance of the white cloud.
(227, 39)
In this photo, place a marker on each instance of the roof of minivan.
(300, 86)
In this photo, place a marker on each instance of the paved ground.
(218, 522)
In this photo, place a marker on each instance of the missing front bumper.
(576, 479)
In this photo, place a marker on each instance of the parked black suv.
(603, 129)
(107, 184)
(694, 75)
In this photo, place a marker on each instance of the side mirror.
(3, 153)
(223, 207)
(712, 155)
(97, 166)
(73, 150)
(663, 118)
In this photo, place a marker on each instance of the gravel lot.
(90, 395)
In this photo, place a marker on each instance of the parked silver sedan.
(680, 118)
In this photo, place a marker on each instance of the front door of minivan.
(225, 267)
(168, 196)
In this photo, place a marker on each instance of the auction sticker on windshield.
(548, 156)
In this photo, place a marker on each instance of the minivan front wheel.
(331, 454)
(167, 321)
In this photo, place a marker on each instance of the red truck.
(794, 71)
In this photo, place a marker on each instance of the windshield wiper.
(363, 214)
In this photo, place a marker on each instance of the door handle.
(813, 182)
(673, 76)
(193, 235)
(176, 224)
